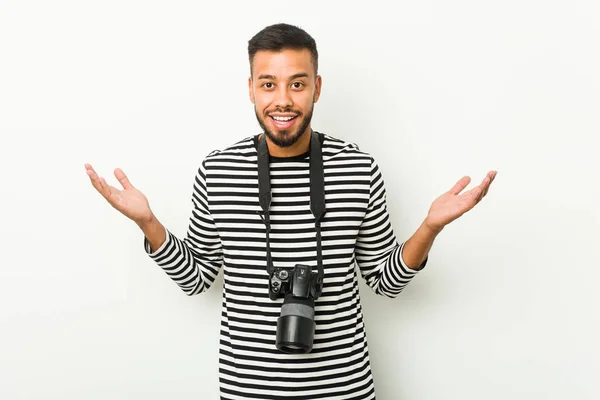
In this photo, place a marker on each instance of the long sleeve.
(194, 262)
(378, 254)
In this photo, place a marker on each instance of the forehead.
(282, 63)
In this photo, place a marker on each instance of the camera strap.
(317, 193)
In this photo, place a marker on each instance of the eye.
(297, 85)
(268, 85)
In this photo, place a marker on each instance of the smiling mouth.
(283, 122)
(282, 119)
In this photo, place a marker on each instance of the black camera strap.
(317, 193)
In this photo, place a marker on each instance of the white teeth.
(284, 119)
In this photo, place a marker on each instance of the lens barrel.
(296, 325)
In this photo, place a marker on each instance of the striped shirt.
(226, 232)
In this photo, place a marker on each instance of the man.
(230, 230)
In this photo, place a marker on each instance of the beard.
(285, 137)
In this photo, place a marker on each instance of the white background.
(508, 304)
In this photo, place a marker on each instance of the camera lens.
(296, 326)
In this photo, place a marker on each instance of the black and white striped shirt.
(226, 232)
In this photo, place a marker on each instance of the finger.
(477, 193)
(485, 183)
(483, 188)
(487, 187)
(491, 175)
(460, 185)
(123, 180)
(107, 191)
(94, 178)
(483, 193)
(90, 170)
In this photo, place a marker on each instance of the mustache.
(284, 110)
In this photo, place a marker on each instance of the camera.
(300, 286)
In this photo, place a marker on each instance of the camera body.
(300, 286)
(301, 281)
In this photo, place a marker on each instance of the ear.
(250, 91)
(318, 84)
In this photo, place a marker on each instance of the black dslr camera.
(299, 286)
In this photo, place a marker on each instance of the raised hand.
(130, 201)
(452, 204)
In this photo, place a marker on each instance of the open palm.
(452, 204)
(130, 201)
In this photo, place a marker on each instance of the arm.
(416, 249)
(154, 232)
(387, 266)
(378, 254)
(194, 262)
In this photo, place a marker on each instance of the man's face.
(284, 88)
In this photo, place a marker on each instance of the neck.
(300, 147)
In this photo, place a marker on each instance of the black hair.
(282, 37)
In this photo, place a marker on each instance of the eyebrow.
(295, 76)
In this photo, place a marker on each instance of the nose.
(283, 98)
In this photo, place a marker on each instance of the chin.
(283, 138)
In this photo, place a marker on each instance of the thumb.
(460, 185)
(123, 180)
